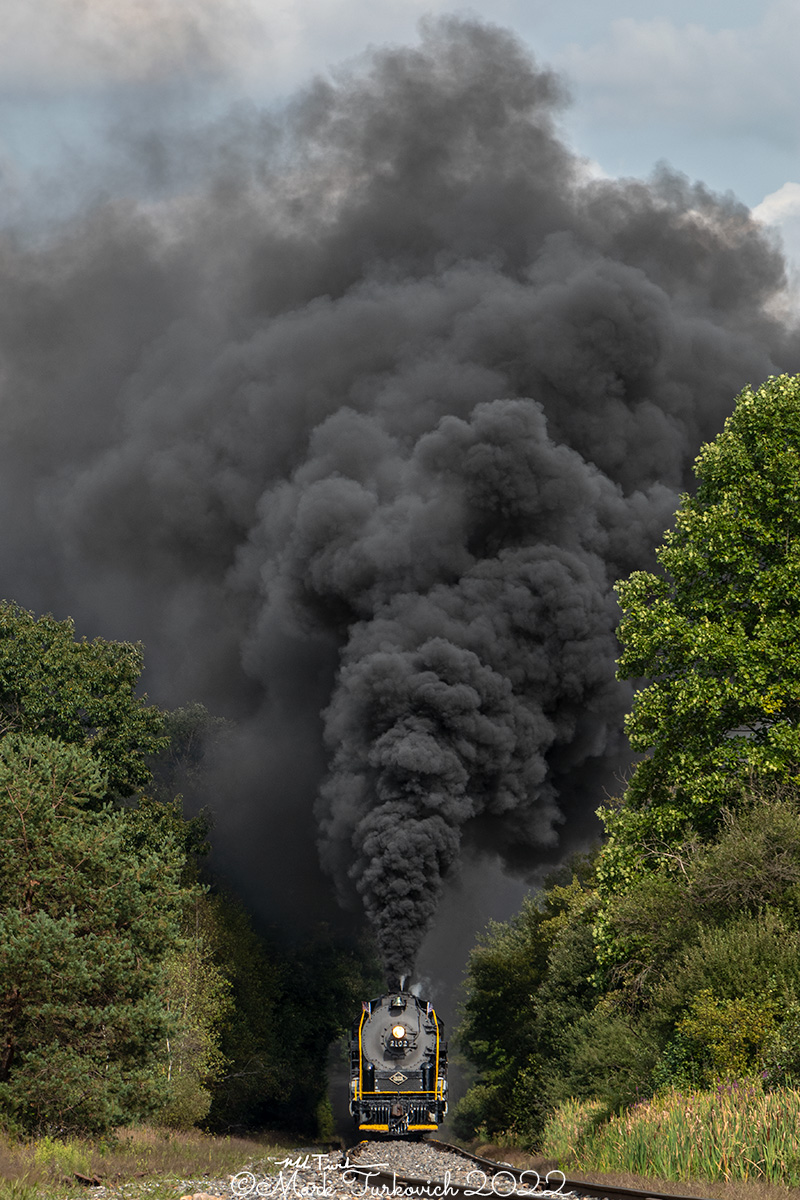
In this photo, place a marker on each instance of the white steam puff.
(367, 422)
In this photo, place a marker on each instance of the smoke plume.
(360, 413)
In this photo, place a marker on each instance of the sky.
(710, 87)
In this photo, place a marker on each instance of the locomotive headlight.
(399, 1031)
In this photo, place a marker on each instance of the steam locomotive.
(398, 1066)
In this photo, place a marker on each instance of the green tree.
(258, 1081)
(326, 978)
(84, 928)
(529, 987)
(197, 994)
(79, 692)
(703, 982)
(712, 919)
(696, 910)
(731, 1035)
(497, 1033)
(715, 635)
(190, 732)
(290, 1005)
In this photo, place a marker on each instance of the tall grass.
(62, 1158)
(48, 1167)
(735, 1132)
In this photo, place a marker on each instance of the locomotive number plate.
(398, 1078)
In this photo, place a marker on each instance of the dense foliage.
(677, 964)
(82, 930)
(129, 987)
(290, 1002)
(705, 984)
(79, 692)
(530, 984)
(715, 635)
(90, 902)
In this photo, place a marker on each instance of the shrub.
(729, 1035)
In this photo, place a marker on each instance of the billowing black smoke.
(362, 414)
(490, 654)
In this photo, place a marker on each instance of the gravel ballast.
(310, 1175)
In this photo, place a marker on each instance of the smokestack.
(355, 430)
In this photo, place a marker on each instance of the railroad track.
(433, 1169)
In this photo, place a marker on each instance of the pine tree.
(84, 928)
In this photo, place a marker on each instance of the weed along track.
(375, 1170)
(436, 1169)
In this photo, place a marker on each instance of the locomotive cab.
(398, 1066)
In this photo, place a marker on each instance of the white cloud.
(53, 45)
(49, 46)
(306, 36)
(781, 206)
(780, 211)
(639, 68)
(736, 79)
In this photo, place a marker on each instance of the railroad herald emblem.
(398, 1077)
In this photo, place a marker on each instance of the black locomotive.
(398, 1066)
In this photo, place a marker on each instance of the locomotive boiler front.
(398, 1066)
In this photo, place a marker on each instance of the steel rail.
(612, 1191)
(394, 1183)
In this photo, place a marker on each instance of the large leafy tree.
(715, 634)
(79, 692)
